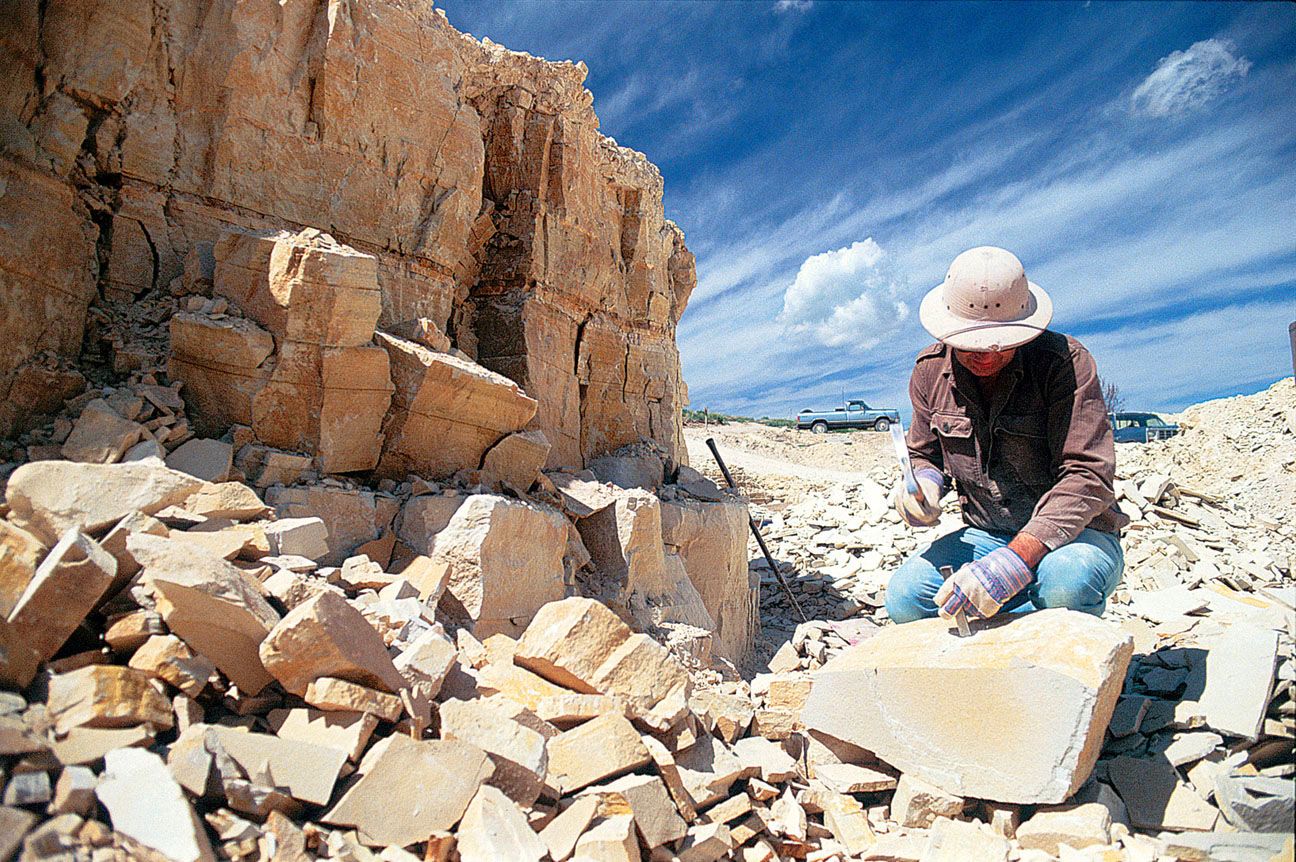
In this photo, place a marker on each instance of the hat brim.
(965, 333)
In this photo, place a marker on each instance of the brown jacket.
(1040, 459)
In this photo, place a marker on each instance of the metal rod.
(760, 541)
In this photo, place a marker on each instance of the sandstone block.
(210, 604)
(494, 828)
(351, 516)
(619, 750)
(410, 790)
(232, 500)
(709, 768)
(564, 831)
(1078, 826)
(304, 771)
(516, 459)
(303, 537)
(705, 842)
(611, 840)
(964, 841)
(933, 704)
(846, 819)
(101, 435)
(75, 791)
(424, 516)
(147, 805)
(20, 554)
(48, 498)
(656, 818)
(566, 710)
(101, 695)
(66, 587)
(209, 460)
(766, 758)
(427, 660)
(168, 658)
(852, 778)
(347, 732)
(521, 762)
(327, 637)
(505, 562)
(918, 804)
(331, 693)
(567, 641)
(641, 672)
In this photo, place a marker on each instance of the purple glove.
(983, 586)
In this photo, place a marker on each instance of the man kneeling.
(1014, 415)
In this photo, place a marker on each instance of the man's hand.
(925, 512)
(983, 586)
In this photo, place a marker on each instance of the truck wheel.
(819, 428)
(882, 425)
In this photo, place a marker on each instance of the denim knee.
(910, 594)
(1079, 576)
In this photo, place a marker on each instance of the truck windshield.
(1156, 422)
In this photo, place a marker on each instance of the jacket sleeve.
(924, 446)
(1080, 442)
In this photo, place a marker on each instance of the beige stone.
(100, 435)
(641, 672)
(705, 842)
(146, 804)
(114, 542)
(517, 684)
(1077, 826)
(767, 758)
(852, 778)
(351, 517)
(727, 715)
(427, 659)
(505, 562)
(20, 554)
(493, 828)
(326, 637)
(611, 840)
(411, 790)
(562, 833)
(619, 750)
(569, 709)
(66, 587)
(232, 500)
(47, 498)
(516, 459)
(568, 641)
(656, 818)
(82, 746)
(75, 791)
(300, 537)
(1156, 798)
(209, 460)
(168, 658)
(331, 693)
(582, 495)
(918, 804)
(785, 699)
(518, 752)
(709, 768)
(422, 517)
(106, 696)
(846, 818)
(348, 732)
(210, 604)
(964, 841)
(1056, 673)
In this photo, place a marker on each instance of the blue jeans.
(1081, 575)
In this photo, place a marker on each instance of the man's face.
(987, 363)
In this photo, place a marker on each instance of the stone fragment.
(963, 841)
(493, 828)
(75, 791)
(1156, 798)
(611, 840)
(304, 771)
(147, 805)
(352, 516)
(348, 732)
(101, 435)
(708, 768)
(671, 776)
(14, 824)
(66, 587)
(458, 403)
(303, 537)
(505, 562)
(129, 632)
(340, 695)
(846, 818)
(423, 516)
(210, 604)
(726, 715)
(232, 500)
(1190, 747)
(28, 788)
(562, 833)
(641, 672)
(1058, 674)
(898, 847)
(105, 696)
(918, 804)
(209, 460)
(1078, 826)
(168, 658)
(851, 778)
(327, 637)
(1226, 846)
(1128, 715)
(705, 842)
(780, 715)
(1256, 803)
(47, 498)
(411, 790)
(81, 746)
(620, 750)
(569, 709)
(568, 641)
(20, 554)
(516, 459)
(518, 752)
(655, 816)
(18, 661)
(767, 758)
(582, 495)
(1238, 679)
(427, 660)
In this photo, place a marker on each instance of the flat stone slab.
(1014, 713)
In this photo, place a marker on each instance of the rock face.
(1015, 713)
(470, 193)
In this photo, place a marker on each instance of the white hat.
(986, 303)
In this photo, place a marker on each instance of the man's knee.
(910, 594)
(1079, 576)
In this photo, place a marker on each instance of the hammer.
(960, 619)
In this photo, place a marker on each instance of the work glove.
(925, 512)
(983, 586)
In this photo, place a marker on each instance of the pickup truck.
(856, 414)
(1140, 427)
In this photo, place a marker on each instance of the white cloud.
(792, 5)
(1186, 80)
(846, 298)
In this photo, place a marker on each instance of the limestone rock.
(655, 816)
(424, 516)
(619, 750)
(518, 752)
(411, 790)
(505, 562)
(232, 500)
(210, 604)
(300, 537)
(493, 828)
(347, 732)
(516, 459)
(103, 695)
(302, 770)
(427, 660)
(47, 498)
(326, 637)
(20, 554)
(340, 695)
(1057, 674)
(147, 805)
(918, 804)
(66, 587)
(964, 841)
(1078, 826)
(611, 840)
(168, 658)
(567, 642)
(564, 831)
(100, 435)
(351, 517)
(209, 460)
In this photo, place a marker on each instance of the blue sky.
(827, 160)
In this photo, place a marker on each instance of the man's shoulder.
(935, 350)
(1055, 345)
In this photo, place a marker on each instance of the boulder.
(935, 705)
(494, 828)
(101, 435)
(516, 460)
(66, 587)
(102, 695)
(147, 805)
(327, 637)
(619, 748)
(351, 516)
(47, 498)
(209, 460)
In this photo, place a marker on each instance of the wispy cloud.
(1187, 80)
(793, 5)
(846, 298)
